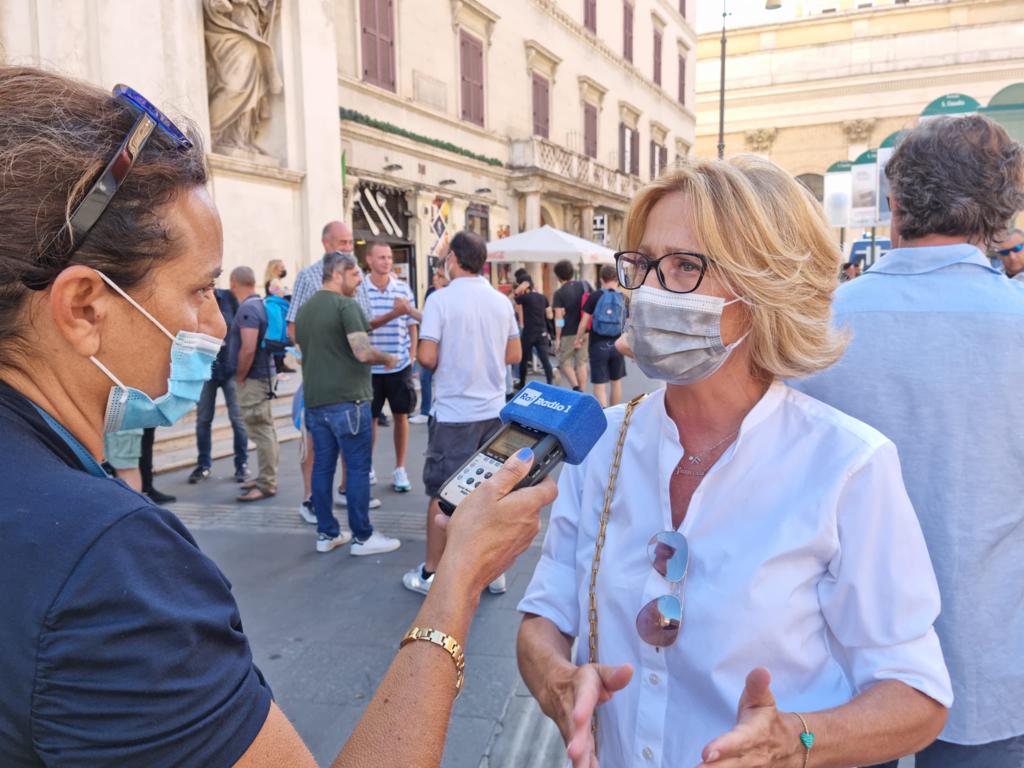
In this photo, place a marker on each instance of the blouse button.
(648, 754)
(654, 679)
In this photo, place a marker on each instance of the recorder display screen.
(510, 439)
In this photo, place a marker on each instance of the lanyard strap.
(599, 542)
(87, 460)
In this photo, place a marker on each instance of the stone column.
(587, 219)
(532, 209)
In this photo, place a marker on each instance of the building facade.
(845, 74)
(504, 115)
(411, 119)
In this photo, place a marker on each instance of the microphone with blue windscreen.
(557, 424)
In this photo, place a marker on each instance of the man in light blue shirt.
(936, 363)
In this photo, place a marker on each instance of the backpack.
(275, 339)
(583, 301)
(610, 313)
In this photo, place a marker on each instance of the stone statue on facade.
(241, 71)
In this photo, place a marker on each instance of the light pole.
(770, 5)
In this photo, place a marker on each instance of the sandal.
(256, 494)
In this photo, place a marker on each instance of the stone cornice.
(591, 90)
(243, 167)
(550, 7)
(541, 60)
(474, 13)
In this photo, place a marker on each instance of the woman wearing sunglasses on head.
(740, 564)
(120, 642)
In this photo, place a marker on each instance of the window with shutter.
(590, 15)
(627, 31)
(623, 159)
(682, 8)
(654, 160)
(662, 159)
(590, 130)
(378, 41)
(471, 62)
(682, 79)
(657, 56)
(634, 150)
(541, 102)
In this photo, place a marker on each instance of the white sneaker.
(400, 480)
(414, 580)
(325, 543)
(307, 512)
(419, 418)
(341, 501)
(373, 476)
(498, 587)
(377, 544)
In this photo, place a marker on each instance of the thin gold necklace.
(696, 459)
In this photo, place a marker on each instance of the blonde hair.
(767, 241)
(271, 273)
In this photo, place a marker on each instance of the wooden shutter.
(471, 65)
(590, 130)
(654, 160)
(657, 57)
(541, 97)
(634, 160)
(682, 8)
(368, 17)
(682, 79)
(590, 15)
(627, 31)
(386, 42)
(662, 158)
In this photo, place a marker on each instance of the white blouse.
(806, 557)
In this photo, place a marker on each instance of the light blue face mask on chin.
(192, 358)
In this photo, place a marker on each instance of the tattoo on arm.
(364, 351)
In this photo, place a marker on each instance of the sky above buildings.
(742, 13)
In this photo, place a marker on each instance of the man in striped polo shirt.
(381, 296)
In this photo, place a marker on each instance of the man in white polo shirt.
(387, 303)
(467, 337)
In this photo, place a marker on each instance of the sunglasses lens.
(659, 621)
(669, 554)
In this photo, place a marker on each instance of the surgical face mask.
(676, 337)
(284, 274)
(192, 357)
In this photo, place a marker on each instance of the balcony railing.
(573, 166)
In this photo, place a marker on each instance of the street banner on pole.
(864, 190)
(837, 193)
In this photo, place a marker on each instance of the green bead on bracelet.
(806, 738)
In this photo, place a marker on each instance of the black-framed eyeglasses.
(1012, 249)
(678, 272)
(98, 198)
(658, 623)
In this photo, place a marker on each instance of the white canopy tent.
(547, 245)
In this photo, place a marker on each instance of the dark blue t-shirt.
(251, 314)
(120, 642)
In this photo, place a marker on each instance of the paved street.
(324, 627)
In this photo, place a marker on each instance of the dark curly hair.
(56, 136)
(957, 176)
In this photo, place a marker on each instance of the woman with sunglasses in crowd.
(740, 564)
(120, 642)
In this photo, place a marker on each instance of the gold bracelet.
(449, 643)
(806, 738)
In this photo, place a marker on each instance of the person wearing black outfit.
(533, 312)
(607, 364)
(568, 307)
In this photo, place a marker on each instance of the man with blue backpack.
(607, 307)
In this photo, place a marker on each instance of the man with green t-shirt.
(331, 330)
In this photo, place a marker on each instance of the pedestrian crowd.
(803, 550)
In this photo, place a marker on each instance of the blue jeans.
(344, 427)
(204, 419)
(426, 390)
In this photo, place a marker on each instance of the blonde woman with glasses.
(739, 563)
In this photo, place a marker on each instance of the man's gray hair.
(337, 261)
(958, 176)
(243, 276)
